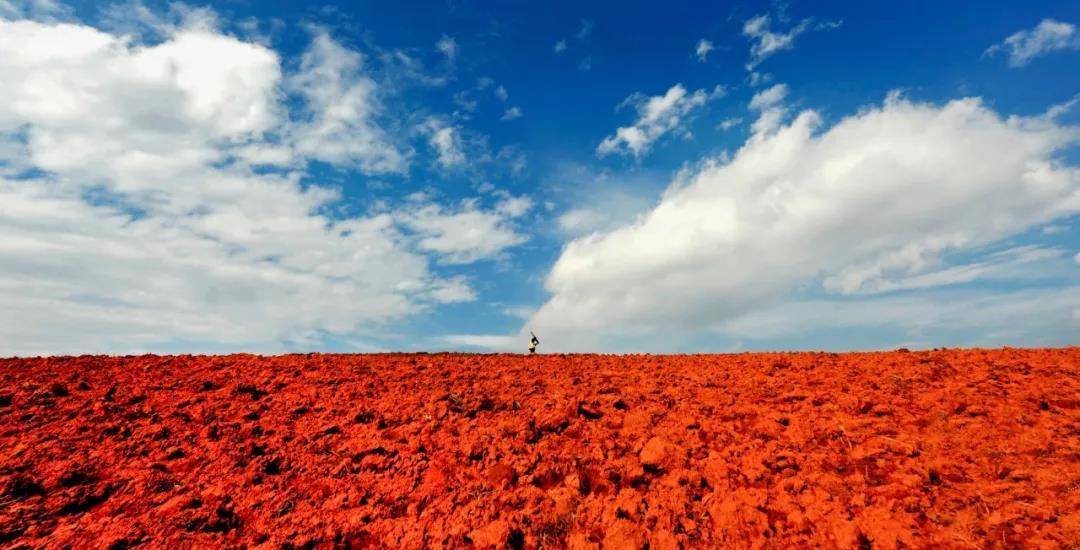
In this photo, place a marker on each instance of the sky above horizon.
(617, 177)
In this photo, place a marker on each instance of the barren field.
(955, 448)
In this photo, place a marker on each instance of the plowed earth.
(972, 448)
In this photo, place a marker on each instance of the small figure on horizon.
(533, 342)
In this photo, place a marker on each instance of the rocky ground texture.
(953, 448)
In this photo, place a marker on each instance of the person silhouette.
(533, 342)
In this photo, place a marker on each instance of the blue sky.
(632, 176)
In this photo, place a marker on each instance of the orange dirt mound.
(974, 448)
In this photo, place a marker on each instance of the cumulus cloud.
(872, 203)
(466, 234)
(134, 216)
(703, 48)
(560, 46)
(657, 116)
(1047, 37)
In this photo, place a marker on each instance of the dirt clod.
(22, 486)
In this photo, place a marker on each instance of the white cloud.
(514, 207)
(560, 46)
(657, 115)
(581, 220)
(144, 224)
(511, 159)
(342, 108)
(502, 94)
(511, 114)
(464, 100)
(445, 139)
(520, 312)
(401, 69)
(467, 234)
(448, 47)
(757, 79)
(729, 123)
(39, 10)
(876, 200)
(1047, 37)
(771, 110)
(955, 317)
(495, 342)
(598, 201)
(589, 219)
(871, 278)
(769, 97)
(1056, 111)
(703, 48)
(1031, 317)
(448, 291)
(766, 42)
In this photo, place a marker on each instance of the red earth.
(950, 448)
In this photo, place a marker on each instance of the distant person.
(533, 343)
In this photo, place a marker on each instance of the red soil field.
(951, 448)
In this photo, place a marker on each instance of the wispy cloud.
(766, 42)
(757, 79)
(511, 114)
(586, 30)
(703, 48)
(448, 47)
(585, 65)
(729, 123)
(1047, 37)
